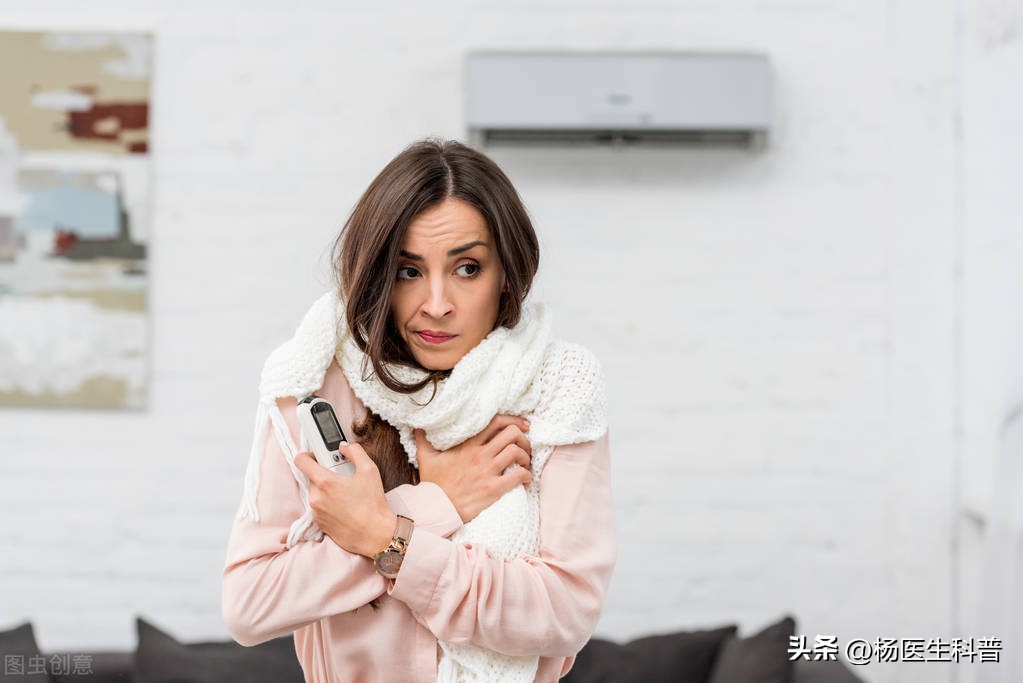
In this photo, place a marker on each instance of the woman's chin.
(437, 361)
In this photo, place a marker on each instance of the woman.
(475, 540)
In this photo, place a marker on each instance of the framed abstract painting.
(74, 218)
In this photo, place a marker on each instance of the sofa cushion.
(21, 660)
(159, 658)
(103, 666)
(760, 658)
(682, 657)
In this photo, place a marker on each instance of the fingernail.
(526, 422)
(342, 444)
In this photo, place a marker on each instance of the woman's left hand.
(351, 510)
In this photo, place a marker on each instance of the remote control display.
(327, 424)
(322, 432)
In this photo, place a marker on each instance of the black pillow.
(19, 655)
(682, 657)
(159, 658)
(760, 658)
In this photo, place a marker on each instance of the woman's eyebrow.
(451, 252)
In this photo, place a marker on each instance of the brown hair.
(366, 258)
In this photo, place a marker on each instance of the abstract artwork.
(74, 218)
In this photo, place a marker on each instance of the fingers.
(514, 477)
(498, 423)
(306, 462)
(510, 435)
(358, 455)
(319, 475)
(511, 454)
(422, 445)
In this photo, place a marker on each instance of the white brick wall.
(992, 252)
(782, 332)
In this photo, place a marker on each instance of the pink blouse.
(455, 592)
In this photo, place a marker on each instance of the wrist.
(381, 535)
(447, 494)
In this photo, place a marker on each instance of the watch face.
(389, 562)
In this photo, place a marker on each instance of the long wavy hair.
(365, 257)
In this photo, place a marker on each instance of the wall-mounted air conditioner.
(618, 97)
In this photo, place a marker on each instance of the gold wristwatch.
(388, 560)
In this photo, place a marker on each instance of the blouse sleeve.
(269, 590)
(547, 605)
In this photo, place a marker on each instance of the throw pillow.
(760, 658)
(682, 657)
(21, 658)
(159, 658)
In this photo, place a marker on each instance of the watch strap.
(402, 534)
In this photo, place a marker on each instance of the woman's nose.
(437, 302)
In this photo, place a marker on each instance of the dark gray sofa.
(116, 667)
(715, 655)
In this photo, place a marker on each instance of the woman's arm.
(547, 605)
(269, 590)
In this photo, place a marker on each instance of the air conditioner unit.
(618, 98)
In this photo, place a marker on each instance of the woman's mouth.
(431, 337)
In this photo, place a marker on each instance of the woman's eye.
(404, 268)
(474, 266)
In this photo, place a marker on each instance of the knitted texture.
(557, 385)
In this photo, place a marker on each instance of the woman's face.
(449, 282)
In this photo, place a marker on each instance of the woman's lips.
(435, 338)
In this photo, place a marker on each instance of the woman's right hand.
(472, 473)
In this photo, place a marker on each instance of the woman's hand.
(472, 474)
(351, 510)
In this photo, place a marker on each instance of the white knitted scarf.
(557, 385)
